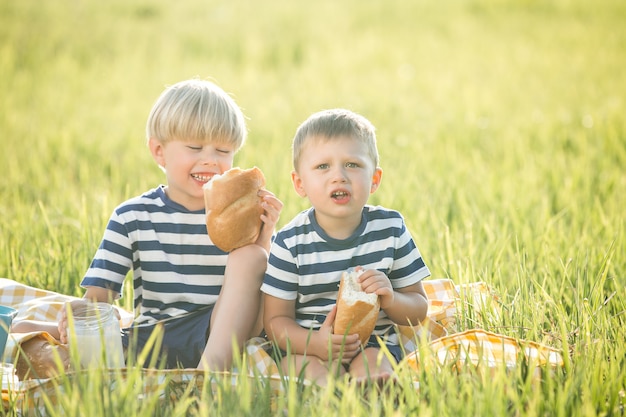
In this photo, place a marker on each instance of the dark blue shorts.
(182, 344)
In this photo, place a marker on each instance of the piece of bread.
(357, 311)
(41, 357)
(233, 208)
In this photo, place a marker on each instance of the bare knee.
(311, 367)
(371, 364)
(252, 255)
(245, 268)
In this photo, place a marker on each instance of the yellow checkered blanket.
(439, 331)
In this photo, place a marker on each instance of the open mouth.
(201, 178)
(339, 195)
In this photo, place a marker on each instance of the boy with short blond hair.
(203, 298)
(336, 167)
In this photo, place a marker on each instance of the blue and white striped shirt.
(176, 268)
(305, 264)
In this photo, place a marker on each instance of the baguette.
(357, 311)
(233, 208)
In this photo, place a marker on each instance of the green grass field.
(502, 132)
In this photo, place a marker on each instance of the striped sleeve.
(112, 260)
(281, 265)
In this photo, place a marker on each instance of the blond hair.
(196, 111)
(334, 123)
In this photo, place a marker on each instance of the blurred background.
(500, 122)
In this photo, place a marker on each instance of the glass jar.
(96, 336)
(10, 382)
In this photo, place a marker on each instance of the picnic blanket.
(439, 331)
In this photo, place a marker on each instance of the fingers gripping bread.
(233, 208)
(357, 311)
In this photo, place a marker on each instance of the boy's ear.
(297, 184)
(376, 179)
(156, 149)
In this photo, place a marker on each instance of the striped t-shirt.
(176, 268)
(305, 264)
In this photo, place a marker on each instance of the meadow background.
(501, 128)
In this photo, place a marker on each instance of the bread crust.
(233, 208)
(41, 357)
(355, 316)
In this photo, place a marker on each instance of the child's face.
(188, 166)
(337, 176)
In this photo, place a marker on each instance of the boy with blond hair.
(202, 299)
(335, 163)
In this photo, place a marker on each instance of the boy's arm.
(282, 328)
(101, 295)
(409, 305)
(404, 306)
(280, 324)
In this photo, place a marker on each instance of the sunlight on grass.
(502, 137)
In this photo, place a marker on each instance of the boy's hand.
(335, 346)
(92, 295)
(374, 281)
(272, 207)
(63, 321)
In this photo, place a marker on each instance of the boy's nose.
(339, 175)
(209, 158)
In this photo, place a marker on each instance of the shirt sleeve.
(281, 276)
(408, 267)
(112, 260)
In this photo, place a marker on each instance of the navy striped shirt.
(305, 263)
(176, 268)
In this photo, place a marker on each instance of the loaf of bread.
(233, 207)
(41, 357)
(357, 311)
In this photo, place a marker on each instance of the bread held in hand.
(357, 311)
(233, 207)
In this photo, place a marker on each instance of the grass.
(502, 138)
